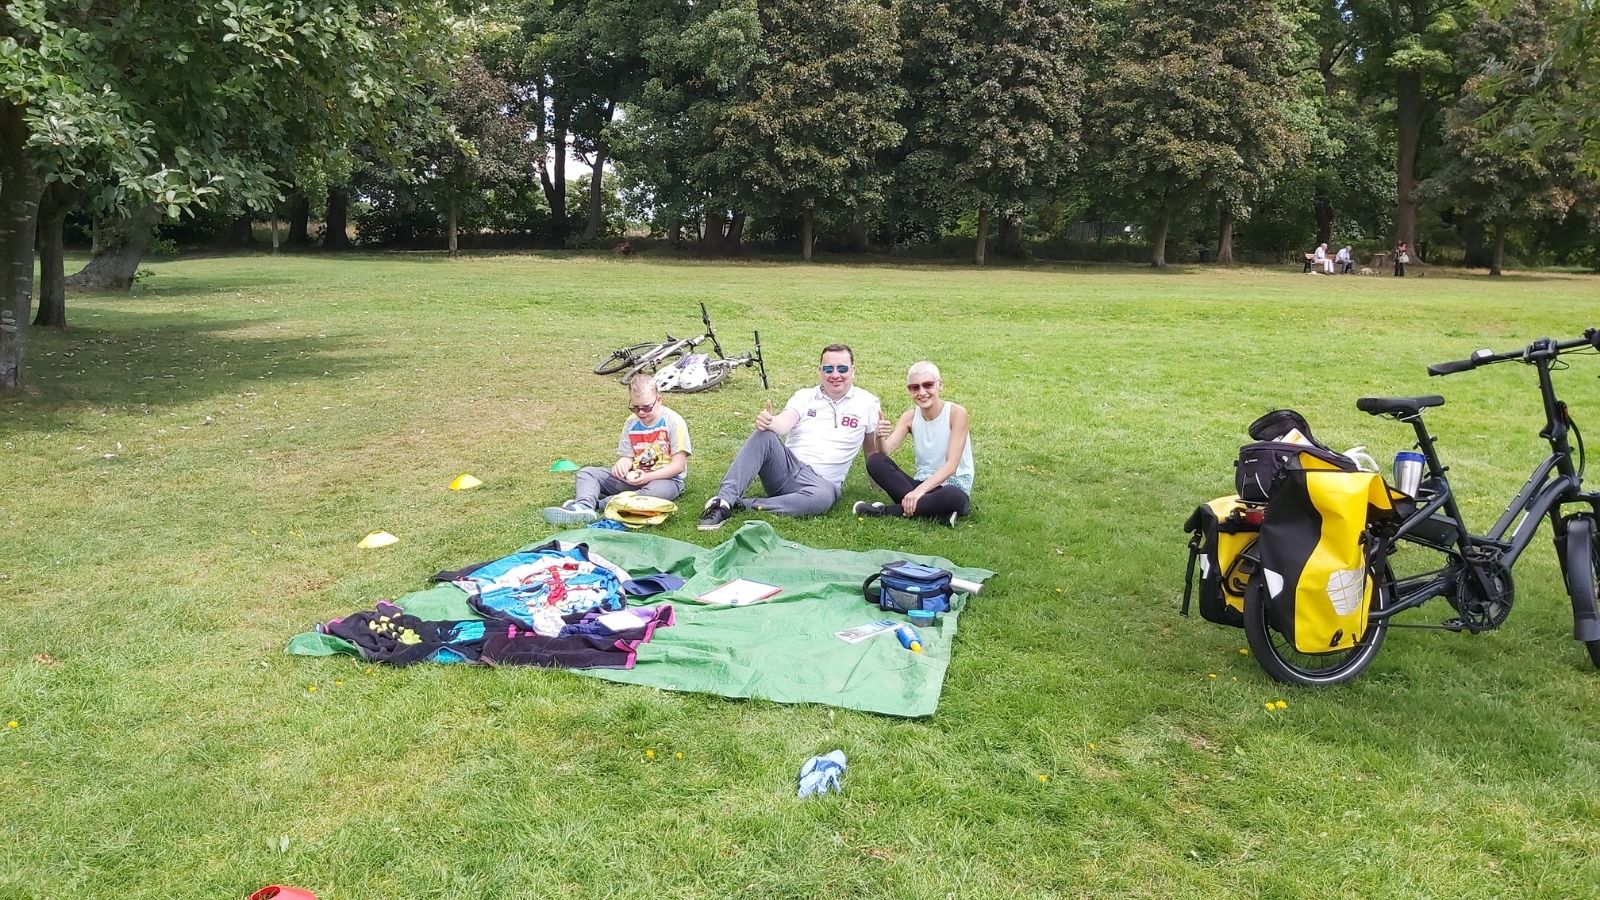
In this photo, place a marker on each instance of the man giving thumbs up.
(826, 427)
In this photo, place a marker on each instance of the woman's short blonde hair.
(923, 368)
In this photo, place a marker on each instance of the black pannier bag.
(1261, 464)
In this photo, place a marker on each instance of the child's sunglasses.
(926, 386)
(829, 370)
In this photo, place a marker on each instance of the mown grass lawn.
(185, 485)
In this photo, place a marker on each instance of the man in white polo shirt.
(826, 425)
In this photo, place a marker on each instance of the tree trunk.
(555, 182)
(241, 234)
(299, 215)
(1011, 236)
(1225, 236)
(54, 205)
(274, 223)
(1408, 123)
(733, 239)
(336, 224)
(451, 226)
(19, 219)
(1158, 244)
(123, 244)
(1323, 209)
(597, 180)
(675, 234)
(100, 224)
(1475, 253)
(711, 237)
(805, 235)
(1499, 250)
(597, 197)
(981, 244)
(859, 241)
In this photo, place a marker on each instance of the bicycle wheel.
(1583, 572)
(716, 373)
(651, 362)
(1277, 656)
(622, 358)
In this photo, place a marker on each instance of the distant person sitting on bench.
(1324, 261)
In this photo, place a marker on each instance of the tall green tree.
(161, 104)
(995, 89)
(1562, 83)
(1406, 52)
(577, 62)
(1493, 172)
(822, 99)
(1200, 103)
(478, 139)
(673, 143)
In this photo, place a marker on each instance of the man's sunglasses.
(641, 410)
(926, 386)
(829, 370)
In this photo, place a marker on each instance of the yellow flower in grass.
(1281, 705)
(678, 755)
(1044, 779)
(11, 724)
(649, 754)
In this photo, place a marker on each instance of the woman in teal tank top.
(941, 433)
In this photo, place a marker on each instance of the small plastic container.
(922, 618)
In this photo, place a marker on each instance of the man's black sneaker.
(863, 508)
(716, 513)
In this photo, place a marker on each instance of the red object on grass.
(282, 892)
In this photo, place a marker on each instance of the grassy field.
(184, 486)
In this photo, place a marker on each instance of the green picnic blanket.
(783, 649)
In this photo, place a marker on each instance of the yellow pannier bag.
(1222, 532)
(1313, 551)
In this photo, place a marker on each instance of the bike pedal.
(1455, 625)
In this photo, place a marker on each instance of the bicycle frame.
(1554, 483)
(673, 346)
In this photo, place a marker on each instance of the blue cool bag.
(904, 586)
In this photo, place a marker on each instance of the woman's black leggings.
(937, 503)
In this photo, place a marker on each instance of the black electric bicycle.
(1475, 577)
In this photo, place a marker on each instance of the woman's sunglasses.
(842, 370)
(913, 387)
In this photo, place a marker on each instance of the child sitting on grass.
(652, 459)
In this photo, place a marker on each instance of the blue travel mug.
(1408, 471)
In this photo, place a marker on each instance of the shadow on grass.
(163, 360)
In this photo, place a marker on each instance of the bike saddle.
(1396, 406)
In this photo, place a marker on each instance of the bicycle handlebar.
(1543, 348)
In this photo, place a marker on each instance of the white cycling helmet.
(686, 374)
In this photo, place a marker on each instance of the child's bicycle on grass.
(1475, 575)
(699, 372)
(648, 356)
